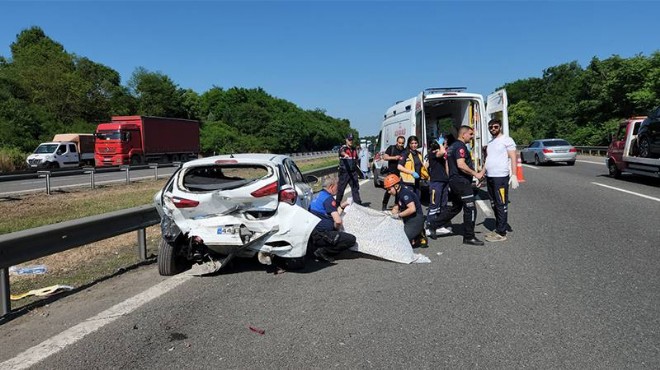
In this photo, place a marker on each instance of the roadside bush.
(12, 159)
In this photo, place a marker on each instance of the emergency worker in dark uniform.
(438, 184)
(408, 208)
(393, 155)
(327, 237)
(348, 171)
(461, 171)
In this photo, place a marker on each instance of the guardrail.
(27, 245)
(20, 175)
(598, 150)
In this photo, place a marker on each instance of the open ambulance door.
(497, 107)
(420, 123)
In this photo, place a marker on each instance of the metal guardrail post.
(47, 175)
(155, 167)
(142, 244)
(91, 171)
(128, 172)
(5, 300)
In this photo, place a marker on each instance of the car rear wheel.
(169, 263)
(614, 170)
(536, 160)
(644, 147)
(571, 163)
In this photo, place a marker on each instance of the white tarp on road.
(379, 235)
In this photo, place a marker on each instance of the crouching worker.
(327, 237)
(408, 208)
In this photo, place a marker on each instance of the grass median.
(80, 266)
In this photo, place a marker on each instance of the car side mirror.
(311, 179)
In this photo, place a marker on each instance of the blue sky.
(352, 58)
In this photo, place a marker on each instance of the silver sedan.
(549, 150)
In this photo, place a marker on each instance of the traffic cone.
(519, 171)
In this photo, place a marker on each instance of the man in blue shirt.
(327, 237)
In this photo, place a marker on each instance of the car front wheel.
(614, 170)
(644, 147)
(536, 160)
(169, 262)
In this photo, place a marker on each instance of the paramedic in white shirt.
(501, 164)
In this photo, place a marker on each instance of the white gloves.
(349, 201)
(513, 181)
(395, 216)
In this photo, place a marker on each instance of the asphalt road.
(575, 286)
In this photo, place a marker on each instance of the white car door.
(303, 189)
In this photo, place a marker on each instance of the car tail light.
(184, 203)
(573, 150)
(267, 190)
(226, 161)
(288, 195)
(547, 150)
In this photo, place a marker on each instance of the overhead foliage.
(583, 105)
(46, 90)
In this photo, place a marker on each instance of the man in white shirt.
(501, 161)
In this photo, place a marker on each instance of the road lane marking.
(627, 191)
(70, 336)
(583, 161)
(530, 166)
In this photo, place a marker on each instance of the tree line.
(583, 105)
(46, 90)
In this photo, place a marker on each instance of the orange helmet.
(391, 180)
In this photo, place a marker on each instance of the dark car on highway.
(648, 136)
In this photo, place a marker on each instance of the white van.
(438, 111)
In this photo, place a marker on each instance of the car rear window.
(556, 143)
(223, 177)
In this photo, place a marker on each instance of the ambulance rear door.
(496, 107)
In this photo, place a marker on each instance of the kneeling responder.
(408, 208)
(327, 237)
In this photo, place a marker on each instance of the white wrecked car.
(217, 208)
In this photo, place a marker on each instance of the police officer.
(348, 171)
(408, 208)
(461, 172)
(393, 155)
(327, 237)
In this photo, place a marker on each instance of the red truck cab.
(137, 140)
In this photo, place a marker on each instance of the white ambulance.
(440, 111)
